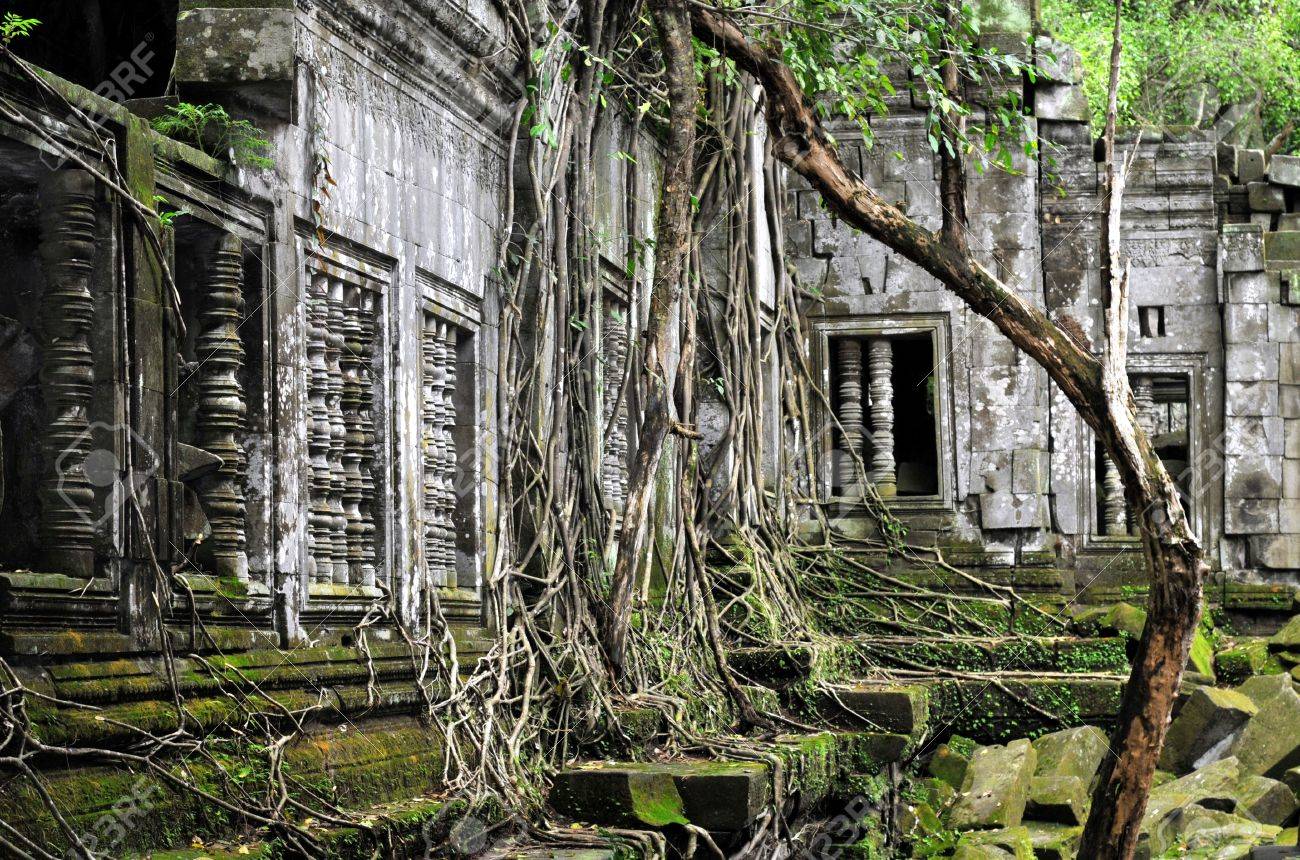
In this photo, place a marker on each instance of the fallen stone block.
(1053, 841)
(618, 797)
(1215, 783)
(1211, 718)
(1265, 197)
(1267, 801)
(1247, 657)
(1199, 832)
(1292, 780)
(1059, 799)
(1009, 841)
(896, 708)
(1250, 165)
(1073, 752)
(1285, 170)
(996, 787)
(1288, 638)
(1269, 745)
(949, 763)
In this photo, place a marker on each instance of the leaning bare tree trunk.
(1120, 798)
(672, 246)
(1099, 392)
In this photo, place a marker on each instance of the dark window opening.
(1151, 321)
(915, 431)
(120, 49)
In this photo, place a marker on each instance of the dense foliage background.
(1234, 62)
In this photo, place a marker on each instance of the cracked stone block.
(1215, 782)
(1003, 510)
(1211, 718)
(1029, 471)
(1060, 799)
(1285, 170)
(1241, 248)
(996, 787)
(1288, 638)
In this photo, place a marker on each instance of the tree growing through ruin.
(1097, 386)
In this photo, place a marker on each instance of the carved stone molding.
(222, 408)
(67, 249)
(614, 463)
(438, 353)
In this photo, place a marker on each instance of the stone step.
(879, 706)
(723, 797)
(129, 679)
(389, 764)
(780, 666)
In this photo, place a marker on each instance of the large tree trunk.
(1174, 554)
(672, 246)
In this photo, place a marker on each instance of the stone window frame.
(939, 329)
(377, 276)
(1194, 366)
(461, 308)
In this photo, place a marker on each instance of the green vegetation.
(214, 131)
(1186, 63)
(14, 26)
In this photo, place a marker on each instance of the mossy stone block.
(1053, 841)
(996, 787)
(1058, 799)
(1288, 638)
(1210, 715)
(1267, 801)
(1073, 752)
(895, 708)
(949, 765)
(619, 797)
(1011, 841)
(1269, 745)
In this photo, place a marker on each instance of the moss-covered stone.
(949, 765)
(619, 796)
(1058, 799)
(1012, 841)
(1209, 715)
(996, 787)
(1074, 753)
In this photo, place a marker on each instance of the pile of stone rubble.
(1228, 781)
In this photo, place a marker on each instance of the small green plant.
(14, 26)
(216, 132)
(166, 217)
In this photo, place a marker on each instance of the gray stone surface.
(1269, 745)
(1285, 170)
(996, 787)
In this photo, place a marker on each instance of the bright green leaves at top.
(1185, 62)
(855, 57)
(15, 26)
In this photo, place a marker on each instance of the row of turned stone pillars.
(68, 218)
(866, 417)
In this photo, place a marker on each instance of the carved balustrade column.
(338, 430)
(1144, 397)
(320, 520)
(67, 249)
(1114, 509)
(430, 356)
(880, 367)
(848, 361)
(365, 574)
(222, 408)
(448, 482)
(353, 436)
(614, 347)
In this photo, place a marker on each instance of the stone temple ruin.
(304, 420)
